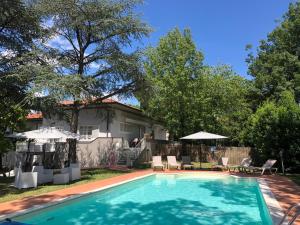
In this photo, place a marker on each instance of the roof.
(33, 116)
(39, 115)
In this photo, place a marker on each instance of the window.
(127, 127)
(86, 132)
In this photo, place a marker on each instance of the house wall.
(99, 152)
(98, 119)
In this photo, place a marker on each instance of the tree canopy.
(189, 96)
(276, 67)
(19, 27)
(275, 127)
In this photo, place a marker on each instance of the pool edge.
(273, 205)
(62, 200)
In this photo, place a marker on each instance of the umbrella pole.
(200, 158)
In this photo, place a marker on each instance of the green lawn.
(204, 165)
(8, 193)
(294, 177)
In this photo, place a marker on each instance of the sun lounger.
(156, 163)
(223, 165)
(267, 166)
(172, 163)
(186, 162)
(245, 163)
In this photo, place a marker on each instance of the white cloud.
(59, 42)
(7, 53)
(94, 65)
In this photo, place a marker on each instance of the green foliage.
(92, 61)
(277, 65)
(19, 26)
(222, 102)
(275, 127)
(171, 69)
(188, 96)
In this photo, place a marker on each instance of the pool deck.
(285, 191)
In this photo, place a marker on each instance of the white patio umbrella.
(203, 136)
(45, 133)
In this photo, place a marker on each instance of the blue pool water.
(166, 200)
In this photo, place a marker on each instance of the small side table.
(187, 166)
(61, 178)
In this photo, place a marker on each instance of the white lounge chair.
(156, 163)
(223, 165)
(44, 175)
(245, 164)
(267, 166)
(25, 180)
(186, 162)
(172, 163)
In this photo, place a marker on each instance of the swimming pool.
(163, 199)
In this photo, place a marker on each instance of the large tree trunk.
(72, 157)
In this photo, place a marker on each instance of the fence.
(198, 152)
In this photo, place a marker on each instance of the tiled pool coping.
(67, 194)
(273, 205)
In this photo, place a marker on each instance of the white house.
(106, 119)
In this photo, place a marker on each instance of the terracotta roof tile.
(31, 116)
(70, 102)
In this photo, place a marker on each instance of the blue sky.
(220, 28)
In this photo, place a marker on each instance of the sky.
(221, 29)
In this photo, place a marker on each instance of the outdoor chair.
(244, 165)
(267, 166)
(223, 164)
(156, 163)
(43, 175)
(25, 179)
(186, 162)
(172, 163)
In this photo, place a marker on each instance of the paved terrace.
(285, 191)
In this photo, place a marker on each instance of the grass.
(294, 177)
(204, 165)
(9, 193)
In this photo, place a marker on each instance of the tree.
(188, 96)
(19, 26)
(96, 33)
(275, 127)
(222, 101)
(276, 67)
(170, 69)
